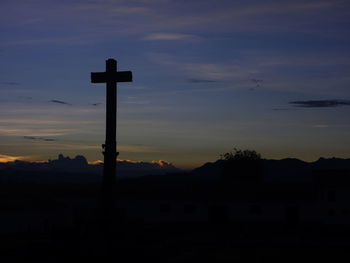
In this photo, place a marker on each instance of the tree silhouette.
(241, 165)
(237, 154)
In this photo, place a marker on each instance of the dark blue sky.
(209, 75)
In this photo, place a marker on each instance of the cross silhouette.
(110, 77)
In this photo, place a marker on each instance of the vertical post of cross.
(110, 151)
(107, 196)
(110, 77)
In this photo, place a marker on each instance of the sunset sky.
(209, 75)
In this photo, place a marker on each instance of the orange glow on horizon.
(8, 158)
(95, 162)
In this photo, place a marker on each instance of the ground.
(56, 222)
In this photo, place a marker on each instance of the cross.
(110, 77)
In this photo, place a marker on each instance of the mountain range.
(289, 169)
(78, 170)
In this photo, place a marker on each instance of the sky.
(208, 76)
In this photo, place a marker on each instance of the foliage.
(242, 165)
(241, 155)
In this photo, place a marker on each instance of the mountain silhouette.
(79, 163)
(289, 169)
(77, 170)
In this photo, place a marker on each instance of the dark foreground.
(48, 223)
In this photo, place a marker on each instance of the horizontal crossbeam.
(104, 77)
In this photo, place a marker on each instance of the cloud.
(163, 164)
(19, 131)
(72, 146)
(136, 149)
(132, 87)
(144, 18)
(10, 83)
(321, 126)
(34, 138)
(9, 158)
(201, 80)
(215, 71)
(170, 37)
(112, 8)
(95, 162)
(335, 126)
(280, 109)
(25, 97)
(196, 72)
(320, 103)
(325, 74)
(136, 100)
(60, 102)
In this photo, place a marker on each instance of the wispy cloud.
(33, 138)
(106, 19)
(46, 122)
(334, 126)
(112, 8)
(132, 87)
(196, 72)
(281, 109)
(136, 149)
(96, 104)
(67, 146)
(215, 71)
(25, 97)
(320, 103)
(321, 126)
(35, 132)
(60, 40)
(136, 100)
(60, 102)
(202, 80)
(171, 36)
(10, 83)
(258, 70)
